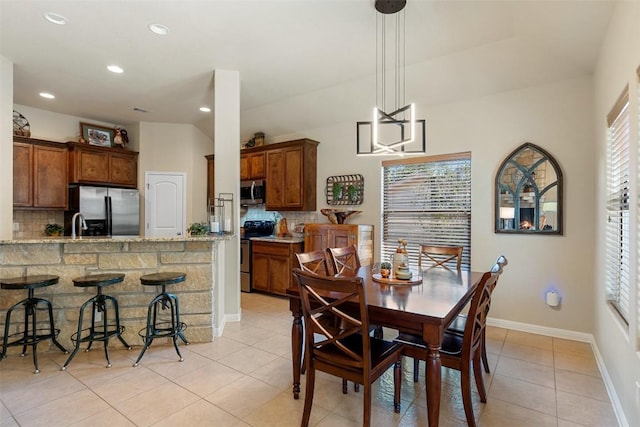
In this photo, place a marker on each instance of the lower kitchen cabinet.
(271, 265)
(323, 236)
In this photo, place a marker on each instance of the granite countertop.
(99, 239)
(276, 239)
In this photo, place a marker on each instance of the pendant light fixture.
(394, 125)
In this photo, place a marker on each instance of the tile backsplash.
(31, 223)
(293, 218)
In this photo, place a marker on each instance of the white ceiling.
(283, 49)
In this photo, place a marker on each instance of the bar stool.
(31, 334)
(156, 327)
(99, 309)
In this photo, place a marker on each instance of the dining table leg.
(434, 384)
(296, 345)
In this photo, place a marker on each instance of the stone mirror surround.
(528, 190)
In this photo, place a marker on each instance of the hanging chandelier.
(393, 129)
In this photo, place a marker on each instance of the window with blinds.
(427, 200)
(618, 193)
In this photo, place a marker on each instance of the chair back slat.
(345, 261)
(440, 256)
(315, 262)
(324, 297)
(478, 311)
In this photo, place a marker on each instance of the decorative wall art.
(97, 135)
(345, 190)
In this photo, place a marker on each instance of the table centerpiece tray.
(413, 280)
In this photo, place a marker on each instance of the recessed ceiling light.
(47, 95)
(159, 29)
(54, 18)
(205, 109)
(115, 69)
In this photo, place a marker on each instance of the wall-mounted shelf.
(345, 190)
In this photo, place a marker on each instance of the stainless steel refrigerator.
(107, 211)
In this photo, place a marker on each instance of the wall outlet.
(98, 316)
(16, 226)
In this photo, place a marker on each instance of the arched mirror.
(529, 193)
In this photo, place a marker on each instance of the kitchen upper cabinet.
(291, 176)
(323, 236)
(91, 164)
(211, 190)
(252, 166)
(271, 265)
(39, 174)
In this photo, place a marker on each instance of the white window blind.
(618, 193)
(427, 200)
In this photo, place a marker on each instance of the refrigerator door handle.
(107, 201)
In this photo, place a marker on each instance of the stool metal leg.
(78, 334)
(51, 327)
(178, 322)
(148, 339)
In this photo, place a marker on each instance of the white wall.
(558, 117)
(6, 149)
(618, 344)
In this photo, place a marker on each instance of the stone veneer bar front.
(135, 257)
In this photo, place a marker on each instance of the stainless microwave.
(252, 192)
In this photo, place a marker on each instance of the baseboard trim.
(541, 330)
(575, 336)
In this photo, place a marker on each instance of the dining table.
(425, 308)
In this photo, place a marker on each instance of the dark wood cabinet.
(39, 174)
(271, 265)
(91, 164)
(323, 236)
(211, 189)
(252, 166)
(291, 176)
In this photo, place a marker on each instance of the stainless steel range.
(252, 228)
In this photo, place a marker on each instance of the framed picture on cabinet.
(96, 134)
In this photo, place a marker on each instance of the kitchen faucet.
(73, 224)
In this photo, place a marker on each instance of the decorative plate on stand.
(21, 125)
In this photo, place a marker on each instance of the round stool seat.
(29, 282)
(160, 279)
(98, 280)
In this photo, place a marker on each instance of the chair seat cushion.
(451, 344)
(380, 349)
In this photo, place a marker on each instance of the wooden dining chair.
(458, 325)
(463, 353)
(345, 261)
(315, 262)
(439, 256)
(346, 351)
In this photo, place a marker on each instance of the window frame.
(390, 234)
(617, 205)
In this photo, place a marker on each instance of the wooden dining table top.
(436, 301)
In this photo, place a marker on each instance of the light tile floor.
(244, 379)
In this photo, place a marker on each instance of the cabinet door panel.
(256, 166)
(343, 237)
(93, 167)
(22, 175)
(244, 166)
(50, 177)
(280, 272)
(275, 184)
(260, 272)
(293, 177)
(124, 170)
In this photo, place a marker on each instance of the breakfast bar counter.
(134, 256)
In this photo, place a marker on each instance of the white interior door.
(166, 205)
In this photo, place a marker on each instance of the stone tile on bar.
(26, 254)
(185, 257)
(127, 260)
(156, 246)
